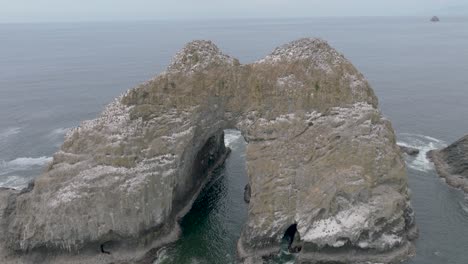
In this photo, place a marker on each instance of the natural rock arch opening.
(292, 239)
(305, 112)
(209, 157)
(218, 209)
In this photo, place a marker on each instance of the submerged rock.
(409, 150)
(320, 156)
(452, 163)
(435, 19)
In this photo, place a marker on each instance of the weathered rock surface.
(452, 163)
(409, 150)
(7, 203)
(320, 156)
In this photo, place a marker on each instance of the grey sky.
(89, 10)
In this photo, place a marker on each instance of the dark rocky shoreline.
(451, 163)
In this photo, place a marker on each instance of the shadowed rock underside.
(320, 156)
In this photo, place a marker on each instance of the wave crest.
(424, 144)
(23, 163)
(231, 136)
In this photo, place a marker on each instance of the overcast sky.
(91, 10)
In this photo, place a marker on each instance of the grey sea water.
(52, 76)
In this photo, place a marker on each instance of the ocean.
(54, 75)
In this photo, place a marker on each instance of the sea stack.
(452, 163)
(322, 162)
(435, 19)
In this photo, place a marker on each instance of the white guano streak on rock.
(196, 56)
(345, 224)
(161, 165)
(289, 81)
(115, 119)
(306, 49)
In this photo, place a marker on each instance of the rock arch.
(319, 154)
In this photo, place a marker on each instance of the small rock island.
(322, 161)
(435, 19)
(410, 151)
(452, 163)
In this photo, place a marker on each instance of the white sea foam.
(28, 162)
(345, 224)
(162, 256)
(59, 131)
(231, 137)
(13, 181)
(424, 144)
(20, 164)
(5, 133)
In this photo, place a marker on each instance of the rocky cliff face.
(452, 163)
(320, 158)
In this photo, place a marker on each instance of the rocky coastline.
(141, 249)
(322, 161)
(451, 163)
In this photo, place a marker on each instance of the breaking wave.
(424, 144)
(165, 256)
(21, 164)
(231, 137)
(13, 173)
(162, 256)
(15, 182)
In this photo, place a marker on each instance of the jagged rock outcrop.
(409, 150)
(320, 156)
(7, 202)
(452, 163)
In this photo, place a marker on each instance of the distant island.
(435, 19)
